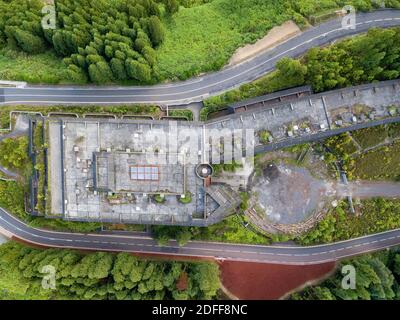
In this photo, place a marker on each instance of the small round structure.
(204, 170)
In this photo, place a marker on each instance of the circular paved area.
(288, 194)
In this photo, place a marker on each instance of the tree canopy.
(106, 41)
(103, 275)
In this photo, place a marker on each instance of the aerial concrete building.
(130, 171)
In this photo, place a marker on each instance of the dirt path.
(367, 189)
(275, 36)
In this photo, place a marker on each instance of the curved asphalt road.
(186, 92)
(197, 89)
(295, 255)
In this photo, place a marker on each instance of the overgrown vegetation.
(227, 167)
(377, 215)
(264, 135)
(39, 149)
(39, 68)
(14, 155)
(102, 276)
(231, 229)
(121, 110)
(377, 278)
(187, 114)
(379, 162)
(203, 38)
(364, 58)
(370, 137)
(140, 41)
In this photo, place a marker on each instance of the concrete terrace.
(94, 159)
(110, 169)
(316, 113)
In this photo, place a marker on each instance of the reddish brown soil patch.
(183, 282)
(262, 281)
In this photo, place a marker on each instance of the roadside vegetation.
(12, 198)
(376, 215)
(14, 155)
(120, 110)
(103, 276)
(203, 38)
(143, 41)
(184, 113)
(231, 229)
(373, 215)
(357, 60)
(377, 278)
(39, 68)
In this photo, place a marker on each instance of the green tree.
(171, 6)
(156, 29)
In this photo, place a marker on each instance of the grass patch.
(203, 38)
(371, 136)
(40, 68)
(14, 155)
(181, 114)
(379, 164)
(394, 130)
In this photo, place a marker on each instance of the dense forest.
(118, 41)
(377, 278)
(104, 40)
(101, 276)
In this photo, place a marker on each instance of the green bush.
(377, 215)
(14, 154)
(102, 276)
(187, 199)
(159, 198)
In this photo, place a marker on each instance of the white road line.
(218, 82)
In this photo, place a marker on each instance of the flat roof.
(140, 172)
(271, 96)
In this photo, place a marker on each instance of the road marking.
(213, 84)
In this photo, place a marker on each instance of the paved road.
(198, 89)
(370, 189)
(295, 255)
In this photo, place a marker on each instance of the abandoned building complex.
(102, 169)
(106, 170)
